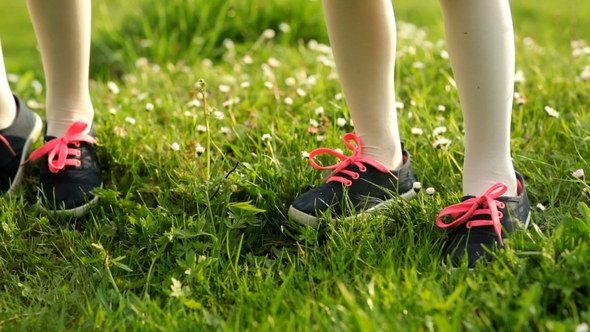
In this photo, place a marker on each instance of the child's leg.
(19, 128)
(480, 39)
(63, 31)
(7, 104)
(481, 46)
(363, 38)
(67, 183)
(362, 35)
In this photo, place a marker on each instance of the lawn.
(202, 146)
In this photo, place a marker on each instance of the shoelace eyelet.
(354, 160)
(472, 207)
(60, 151)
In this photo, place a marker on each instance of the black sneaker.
(69, 172)
(481, 223)
(15, 143)
(355, 185)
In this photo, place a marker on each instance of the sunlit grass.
(191, 232)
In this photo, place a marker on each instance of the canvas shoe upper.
(15, 143)
(480, 224)
(69, 173)
(356, 184)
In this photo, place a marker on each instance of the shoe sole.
(75, 212)
(20, 174)
(305, 219)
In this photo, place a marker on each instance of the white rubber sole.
(305, 219)
(75, 212)
(528, 221)
(20, 174)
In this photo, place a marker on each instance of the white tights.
(481, 48)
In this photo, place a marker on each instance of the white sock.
(362, 34)
(480, 39)
(63, 31)
(7, 104)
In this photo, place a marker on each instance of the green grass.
(182, 241)
(18, 37)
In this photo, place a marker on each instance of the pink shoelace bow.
(461, 212)
(5, 141)
(59, 147)
(345, 161)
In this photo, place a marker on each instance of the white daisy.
(417, 131)
(113, 87)
(266, 138)
(552, 112)
(284, 27)
(579, 173)
(439, 130)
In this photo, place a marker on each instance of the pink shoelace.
(461, 212)
(59, 147)
(345, 161)
(5, 141)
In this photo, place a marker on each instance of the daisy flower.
(579, 173)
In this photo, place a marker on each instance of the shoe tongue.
(466, 197)
(478, 216)
(48, 138)
(500, 199)
(353, 168)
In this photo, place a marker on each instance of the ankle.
(58, 128)
(477, 184)
(8, 113)
(392, 159)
